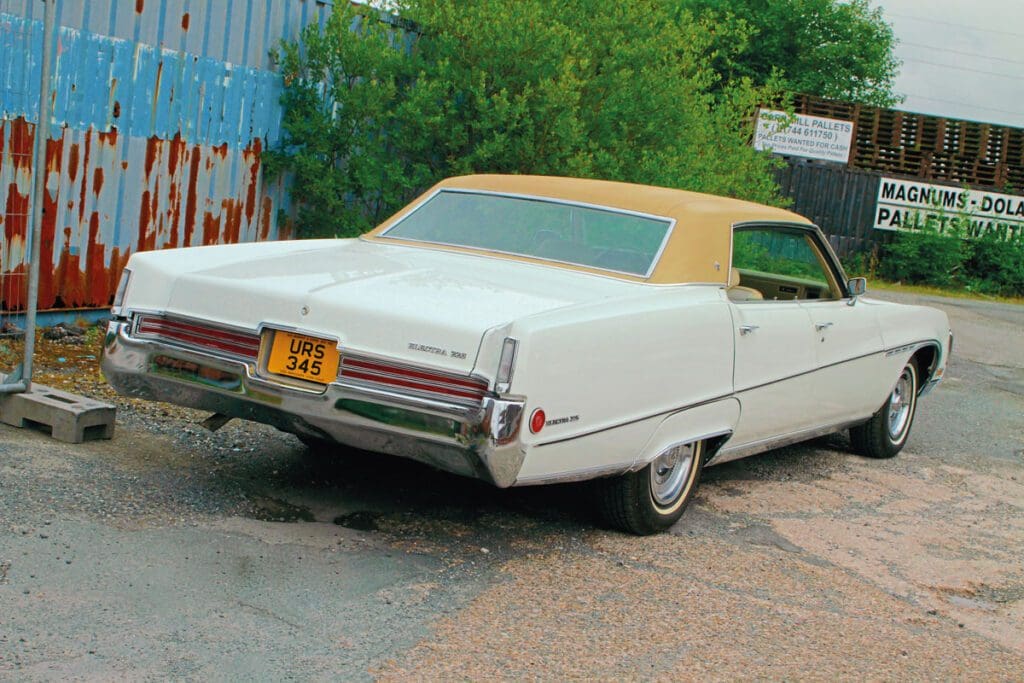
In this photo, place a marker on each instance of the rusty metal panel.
(161, 111)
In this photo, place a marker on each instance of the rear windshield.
(555, 231)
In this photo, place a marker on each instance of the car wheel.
(653, 499)
(885, 433)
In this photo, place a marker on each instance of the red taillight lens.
(537, 420)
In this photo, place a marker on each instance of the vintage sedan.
(529, 330)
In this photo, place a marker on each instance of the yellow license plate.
(302, 357)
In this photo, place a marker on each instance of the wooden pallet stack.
(928, 147)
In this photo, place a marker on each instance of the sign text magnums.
(906, 204)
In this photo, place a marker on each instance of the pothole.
(360, 520)
(274, 510)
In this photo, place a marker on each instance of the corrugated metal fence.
(161, 111)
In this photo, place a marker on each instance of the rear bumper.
(481, 442)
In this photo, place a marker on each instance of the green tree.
(839, 50)
(376, 112)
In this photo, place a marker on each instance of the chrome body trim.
(640, 464)
(660, 413)
(934, 377)
(582, 474)
(737, 393)
(728, 454)
(927, 387)
(886, 352)
(502, 384)
(613, 470)
(480, 441)
(549, 200)
(856, 287)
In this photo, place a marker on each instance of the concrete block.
(68, 417)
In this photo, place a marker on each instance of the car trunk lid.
(423, 306)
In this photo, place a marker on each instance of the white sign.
(906, 204)
(814, 137)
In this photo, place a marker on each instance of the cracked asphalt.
(169, 552)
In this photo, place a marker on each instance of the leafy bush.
(924, 256)
(995, 264)
(841, 50)
(861, 264)
(376, 112)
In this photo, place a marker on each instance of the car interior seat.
(736, 292)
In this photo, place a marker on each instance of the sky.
(961, 58)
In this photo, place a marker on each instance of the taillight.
(537, 419)
(122, 287)
(506, 365)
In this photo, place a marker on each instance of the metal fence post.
(21, 379)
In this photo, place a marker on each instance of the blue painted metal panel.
(139, 89)
(161, 111)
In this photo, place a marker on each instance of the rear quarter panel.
(614, 370)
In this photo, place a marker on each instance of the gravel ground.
(174, 552)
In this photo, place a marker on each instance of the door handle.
(747, 329)
(822, 326)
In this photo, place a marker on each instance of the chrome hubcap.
(900, 403)
(669, 473)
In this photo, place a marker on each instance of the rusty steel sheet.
(162, 109)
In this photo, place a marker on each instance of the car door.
(848, 352)
(775, 355)
(774, 358)
(848, 345)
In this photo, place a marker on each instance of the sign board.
(907, 204)
(814, 137)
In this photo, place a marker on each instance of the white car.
(530, 330)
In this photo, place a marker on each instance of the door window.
(778, 264)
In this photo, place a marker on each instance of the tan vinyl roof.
(697, 250)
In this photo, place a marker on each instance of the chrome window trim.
(549, 200)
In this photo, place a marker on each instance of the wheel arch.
(711, 422)
(928, 358)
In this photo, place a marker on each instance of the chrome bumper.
(481, 442)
